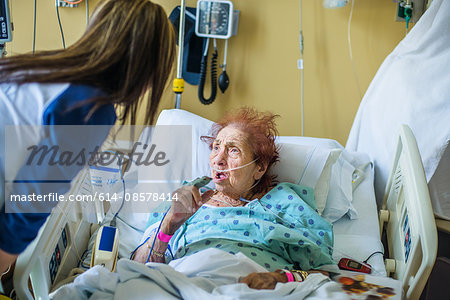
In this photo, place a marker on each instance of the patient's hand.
(264, 280)
(268, 280)
(188, 201)
(141, 254)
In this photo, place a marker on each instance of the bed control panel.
(5, 23)
(406, 237)
(58, 253)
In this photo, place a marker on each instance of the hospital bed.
(406, 214)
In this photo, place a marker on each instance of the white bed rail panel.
(55, 251)
(411, 229)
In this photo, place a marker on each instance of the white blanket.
(411, 87)
(209, 274)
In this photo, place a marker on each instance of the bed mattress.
(359, 238)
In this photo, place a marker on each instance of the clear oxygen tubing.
(236, 168)
(240, 197)
(240, 167)
(350, 49)
(179, 82)
(300, 40)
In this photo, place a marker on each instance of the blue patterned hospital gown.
(281, 228)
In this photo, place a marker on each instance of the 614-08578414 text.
(108, 197)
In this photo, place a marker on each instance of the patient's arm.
(188, 201)
(141, 254)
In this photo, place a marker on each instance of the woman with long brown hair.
(126, 52)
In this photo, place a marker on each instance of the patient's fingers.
(263, 280)
(141, 254)
(319, 271)
(197, 197)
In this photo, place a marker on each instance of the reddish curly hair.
(261, 131)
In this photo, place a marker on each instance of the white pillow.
(307, 165)
(340, 195)
(200, 127)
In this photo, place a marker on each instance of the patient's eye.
(216, 148)
(234, 151)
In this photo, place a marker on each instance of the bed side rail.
(410, 228)
(55, 251)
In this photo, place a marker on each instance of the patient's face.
(231, 149)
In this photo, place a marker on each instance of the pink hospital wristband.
(164, 237)
(289, 275)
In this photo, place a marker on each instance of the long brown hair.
(127, 48)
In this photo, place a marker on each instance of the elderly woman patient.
(276, 226)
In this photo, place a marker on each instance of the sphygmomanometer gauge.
(214, 19)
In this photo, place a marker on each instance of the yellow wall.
(262, 58)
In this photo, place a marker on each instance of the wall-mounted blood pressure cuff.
(193, 44)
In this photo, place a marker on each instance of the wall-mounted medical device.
(5, 22)
(215, 19)
(410, 11)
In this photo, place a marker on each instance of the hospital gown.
(279, 231)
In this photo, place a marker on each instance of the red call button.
(351, 265)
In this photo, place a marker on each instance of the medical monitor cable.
(60, 26)
(350, 49)
(87, 12)
(370, 256)
(203, 71)
(300, 65)
(156, 234)
(119, 160)
(34, 26)
(1, 275)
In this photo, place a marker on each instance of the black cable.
(201, 86)
(376, 252)
(60, 27)
(34, 26)
(113, 221)
(81, 262)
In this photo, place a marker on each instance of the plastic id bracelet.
(289, 276)
(295, 275)
(164, 237)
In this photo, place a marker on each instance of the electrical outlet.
(62, 3)
(418, 8)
